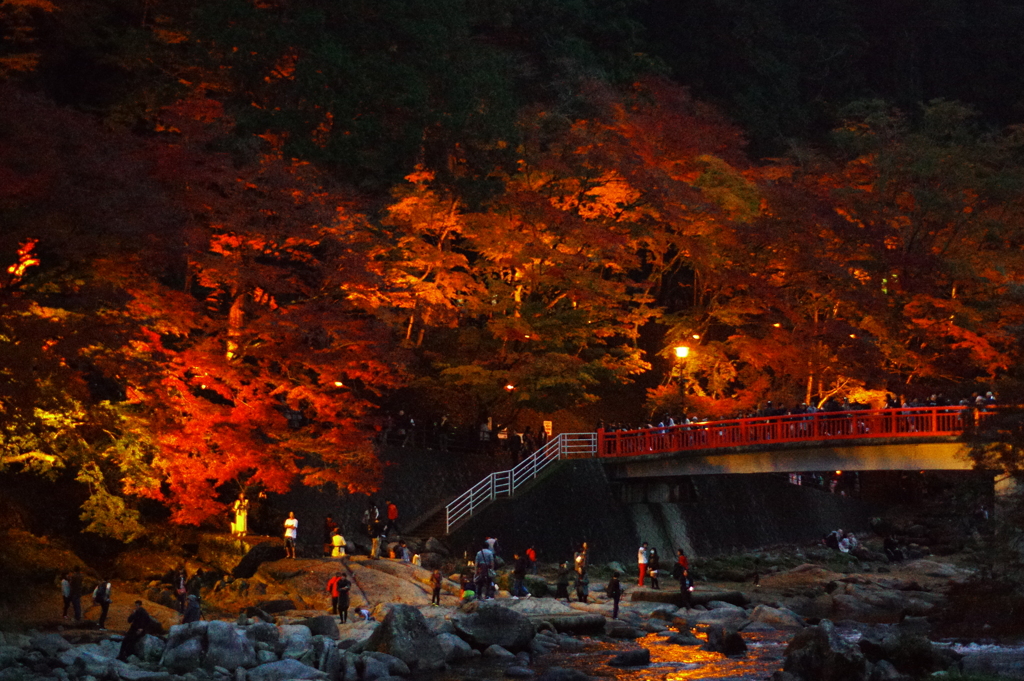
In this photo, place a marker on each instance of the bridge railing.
(836, 425)
(505, 483)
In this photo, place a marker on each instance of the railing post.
(599, 451)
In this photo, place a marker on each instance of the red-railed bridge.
(909, 438)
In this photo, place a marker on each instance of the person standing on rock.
(332, 589)
(435, 588)
(240, 527)
(484, 566)
(641, 561)
(181, 587)
(192, 612)
(392, 511)
(65, 592)
(519, 565)
(344, 588)
(582, 587)
(531, 555)
(371, 519)
(75, 592)
(614, 591)
(101, 597)
(329, 527)
(653, 566)
(581, 559)
(139, 624)
(562, 582)
(291, 533)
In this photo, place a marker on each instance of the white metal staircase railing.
(505, 483)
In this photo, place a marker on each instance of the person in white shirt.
(291, 533)
(641, 560)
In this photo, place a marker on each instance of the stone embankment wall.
(703, 515)
(417, 480)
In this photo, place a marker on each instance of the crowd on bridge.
(405, 429)
(832, 405)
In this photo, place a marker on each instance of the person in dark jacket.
(76, 593)
(562, 582)
(192, 613)
(614, 592)
(101, 597)
(519, 567)
(140, 624)
(653, 565)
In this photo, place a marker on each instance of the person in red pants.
(641, 560)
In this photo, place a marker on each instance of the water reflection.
(671, 662)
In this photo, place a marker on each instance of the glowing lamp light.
(338, 384)
(839, 472)
(509, 387)
(777, 325)
(682, 351)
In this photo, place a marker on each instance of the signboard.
(547, 428)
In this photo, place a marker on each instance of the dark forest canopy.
(233, 231)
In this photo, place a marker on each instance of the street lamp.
(682, 351)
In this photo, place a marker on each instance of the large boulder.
(283, 670)
(819, 653)
(228, 647)
(150, 648)
(185, 646)
(776, 617)
(263, 632)
(494, 624)
(404, 634)
(296, 641)
(725, 640)
(435, 546)
(454, 647)
(261, 553)
(50, 645)
(322, 625)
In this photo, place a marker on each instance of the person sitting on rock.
(337, 544)
(892, 549)
(139, 624)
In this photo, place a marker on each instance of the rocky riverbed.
(803, 622)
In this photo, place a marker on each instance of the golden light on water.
(672, 662)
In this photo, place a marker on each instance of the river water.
(671, 662)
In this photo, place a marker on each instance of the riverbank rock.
(455, 649)
(283, 670)
(819, 652)
(494, 624)
(725, 640)
(776, 617)
(631, 658)
(404, 634)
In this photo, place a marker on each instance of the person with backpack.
(101, 597)
(193, 612)
(484, 568)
